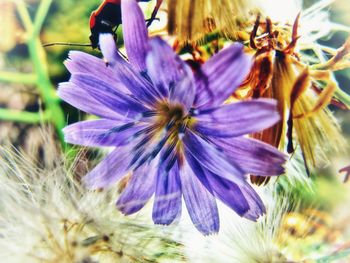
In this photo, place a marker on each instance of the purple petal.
(135, 34)
(238, 118)
(135, 81)
(253, 156)
(170, 74)
(139, 189)
(164, 66)
(99, 133)
(184, 91)
(200, 203)
(78, 97)
(167, 201)
(109, 95)
(109, 170)
(243, 200)
(211, 158)
(256, 206)
(221, 75)
(80, 62)
(229, 193)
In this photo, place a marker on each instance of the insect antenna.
(67, 44)
(76, 45)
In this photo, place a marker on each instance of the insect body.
(107, 17)
(104, 19)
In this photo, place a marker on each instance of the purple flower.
(169, 127)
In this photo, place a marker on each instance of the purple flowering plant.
(170, 127)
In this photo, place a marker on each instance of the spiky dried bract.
(46, 217)
(190, 20)
(278, 72)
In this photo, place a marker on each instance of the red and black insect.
(107, 17)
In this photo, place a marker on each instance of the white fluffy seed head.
(47, 217)
(241, 240)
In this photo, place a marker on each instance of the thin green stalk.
(343, 97)
(45, 87)
(22, 78)
(24, 15)
(340, 94)
(40, 17)
(335, 257)
(21, 116)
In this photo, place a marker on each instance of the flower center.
(172, 118)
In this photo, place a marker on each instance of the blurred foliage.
(28, 66)
(67, 21)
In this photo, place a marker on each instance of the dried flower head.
(190, 20)
(47, 217)
(172, 134)
(302, 92)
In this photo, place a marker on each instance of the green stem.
(38, 58)
(342, 96)
(45, 87)
(24, 15)
(40, 17)
(21, 116)
(22, 78)
(335, 257)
